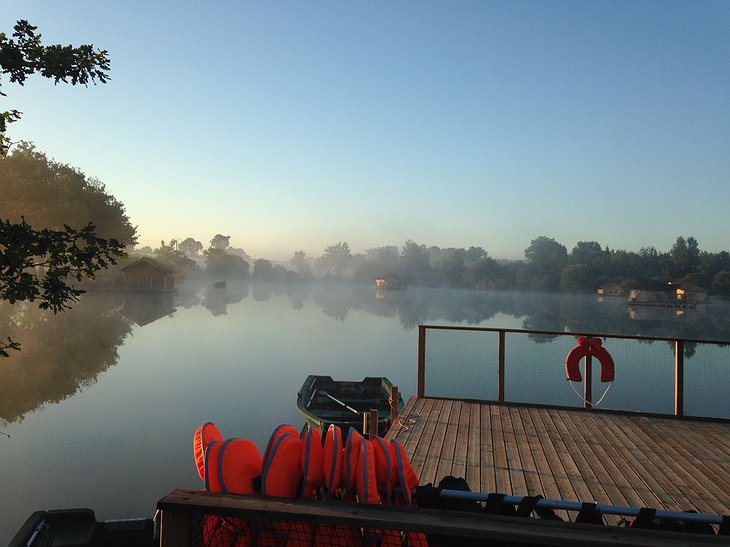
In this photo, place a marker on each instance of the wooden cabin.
(610, 289)
(675, 294)
(148, 274)
(389, 281)
(688, 293)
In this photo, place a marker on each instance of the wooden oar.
(339, 402)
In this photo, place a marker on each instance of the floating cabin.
(389, 281)
(675, 294)
(610, 289)
(148, 275)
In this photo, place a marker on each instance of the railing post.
(679, 377)
(373, 426)
(421, 361)
(500, 369)
(588, 383)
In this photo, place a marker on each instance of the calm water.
(102, 402)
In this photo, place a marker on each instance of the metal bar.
(588, 382)
(500, 370)
(421, 361)
(576, 334)
(339, 402)
(679, 378)
(577, 506)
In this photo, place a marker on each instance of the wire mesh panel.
(706, 380)
(462, 363)
(535, 369)
(225, 531)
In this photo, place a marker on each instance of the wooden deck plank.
(417, 439)
(474, 448)
(571, 454)
(691, 452)
(447, 459)
(658, 473)
(458, 469)
(488, 472)
(433, 455)
(581, 475)
(617, 481)
(503, 484)
(514, 455)
(695, 482)
(543, 452)
(565, 473)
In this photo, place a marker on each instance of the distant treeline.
(48, 194)
(547, 266)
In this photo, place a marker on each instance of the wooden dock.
(570, 454)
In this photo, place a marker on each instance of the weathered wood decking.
(570, 454)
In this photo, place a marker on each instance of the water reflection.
(62, 354)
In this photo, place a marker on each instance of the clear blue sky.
(295, 125)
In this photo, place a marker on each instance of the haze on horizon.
(295, 126)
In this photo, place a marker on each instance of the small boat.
(324, 401)
(79, 527)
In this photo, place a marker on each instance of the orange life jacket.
(282, 469)
(203, 436)
(312, 464)
(366, 477)
(350, 460)
(231, 466)
(407, 478)
(385, 474)
(333, 460)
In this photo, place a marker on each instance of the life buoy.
(593, 347)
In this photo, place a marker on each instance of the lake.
(101, 403)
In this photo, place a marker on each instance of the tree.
(49, 194)
(190, 247)
(335, 258)
(415, 264)
(721, 283)
(300, 264)
(684, 257)
(171, 255)
(546, 254)
(23, 55)
(36, 263)
(263, 269)
(219, 263)
(220, 241)
(452, 268)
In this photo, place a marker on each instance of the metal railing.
(496, 351)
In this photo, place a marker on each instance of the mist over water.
(102, 401)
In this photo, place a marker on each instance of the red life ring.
(594, 348)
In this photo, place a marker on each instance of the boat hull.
(324, 401)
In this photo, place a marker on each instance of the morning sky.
(294, 125)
